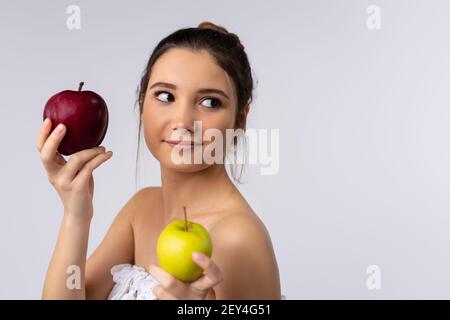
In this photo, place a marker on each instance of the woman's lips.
(182, 144)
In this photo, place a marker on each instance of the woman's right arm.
(65, 276)
(117, 247)
(74, 184)
(69, 275)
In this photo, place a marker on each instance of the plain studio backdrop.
(363, 114)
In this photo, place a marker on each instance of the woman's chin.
(183, 167)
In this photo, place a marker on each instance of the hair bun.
(210, 25)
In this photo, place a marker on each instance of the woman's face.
(175, 99)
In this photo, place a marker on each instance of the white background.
(363, 116)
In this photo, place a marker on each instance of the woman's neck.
(200, 192)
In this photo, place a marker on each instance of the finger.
(78, 160)
(43, 133)
(161, 294)
(86, 172)
(49, 149)
(168, 282)
(212, 273)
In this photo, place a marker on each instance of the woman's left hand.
(171, 288)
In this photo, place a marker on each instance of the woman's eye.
(162, 95)
(166, 97)
(214, 104)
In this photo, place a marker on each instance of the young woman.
(194, 75)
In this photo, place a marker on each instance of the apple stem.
(185, 218)
(81, 85)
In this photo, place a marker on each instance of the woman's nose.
(183, 117)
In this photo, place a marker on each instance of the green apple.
(175, 246)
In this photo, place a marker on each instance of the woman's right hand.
(72, 179)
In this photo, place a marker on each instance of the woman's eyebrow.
(205, 90)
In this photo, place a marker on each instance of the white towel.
(134, 283)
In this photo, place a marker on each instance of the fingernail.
(45, 122)
(197, 256)
(109, 153)
(60, 128)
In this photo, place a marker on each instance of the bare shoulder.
(241, 225)
(147, 193)
(245, 230)
(145, 200)
(242, 248)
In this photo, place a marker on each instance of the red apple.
(85, 115)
